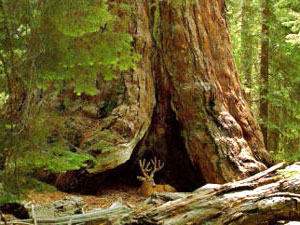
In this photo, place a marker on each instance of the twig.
(82, 209)
(264, 173)
(70, 222)
(117, 210)
(33, 214)
(3, 218)
(21, 223)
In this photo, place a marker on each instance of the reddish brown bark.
(264, 70)
(221, 136)
(200, 116)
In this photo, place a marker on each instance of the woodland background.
(47, 47)
(270, 74)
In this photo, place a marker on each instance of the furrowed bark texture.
(184, 99)
(193, 51)
(114, 137)
(111, 135)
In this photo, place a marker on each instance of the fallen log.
(117, 210)
(265, 198)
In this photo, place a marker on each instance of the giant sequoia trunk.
(183, 102)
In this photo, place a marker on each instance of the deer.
(148, 186)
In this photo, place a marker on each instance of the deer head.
(145, 168)
(148, 185)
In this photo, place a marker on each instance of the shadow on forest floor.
(103, 199)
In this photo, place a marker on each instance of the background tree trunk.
(201, 124)
(273, 133)
(264, 70)
(247, 46)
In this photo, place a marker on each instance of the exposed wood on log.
(264, 198)
(3, 218)
(115, 212)
(255, 200)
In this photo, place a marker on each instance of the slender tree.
(264, 69)
(247, 45)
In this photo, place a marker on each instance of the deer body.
(147, 190)
(148, 186)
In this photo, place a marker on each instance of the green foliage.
(3, 99)
(6, 195)
(84, 42)
(37, 148)
(72, 41)
(288, 13)
(46, 46)
(244, 23)
(284, 69)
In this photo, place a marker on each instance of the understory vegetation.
(282, 81)
(50, 49)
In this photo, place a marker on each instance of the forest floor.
(104, 199)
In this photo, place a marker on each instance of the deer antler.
(145, 168)
(157, 166)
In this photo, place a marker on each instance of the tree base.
(265, 198)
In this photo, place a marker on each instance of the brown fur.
(147, 189)
(148, 186)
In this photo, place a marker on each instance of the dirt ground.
(104, 198)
